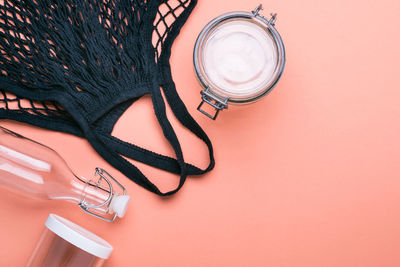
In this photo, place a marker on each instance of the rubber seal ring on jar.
(238, 58)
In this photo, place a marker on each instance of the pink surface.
(309, 176)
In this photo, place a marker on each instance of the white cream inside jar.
(239, 58)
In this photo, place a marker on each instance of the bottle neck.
(92, 195)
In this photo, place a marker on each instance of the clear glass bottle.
(37, 171)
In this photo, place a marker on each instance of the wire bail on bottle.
(90, 208)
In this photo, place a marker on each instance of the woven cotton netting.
(79, 46)
(76, 66)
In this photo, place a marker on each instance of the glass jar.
(66, 244)
(238, 58)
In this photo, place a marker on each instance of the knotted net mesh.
(78, 45)
(76, 65)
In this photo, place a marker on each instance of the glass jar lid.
(238, 58)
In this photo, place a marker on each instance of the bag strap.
(113, 149)
(112, 154)
(151, 158)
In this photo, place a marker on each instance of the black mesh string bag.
(76, 65)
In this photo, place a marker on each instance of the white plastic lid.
(78, 236)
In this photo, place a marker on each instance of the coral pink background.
(309, 176)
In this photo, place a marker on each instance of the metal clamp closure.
(212, 100)
(87, 207)
(270, 21)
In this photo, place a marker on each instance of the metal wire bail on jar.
(222, 59)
